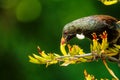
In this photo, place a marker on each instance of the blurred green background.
(25, 24)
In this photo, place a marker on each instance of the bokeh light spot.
(28, 10)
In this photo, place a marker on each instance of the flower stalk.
(77, 55)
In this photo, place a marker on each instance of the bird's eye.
(66, 32)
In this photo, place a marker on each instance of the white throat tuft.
(80, 36)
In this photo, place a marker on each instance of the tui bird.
(93, 24)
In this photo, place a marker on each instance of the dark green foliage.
(20, 38)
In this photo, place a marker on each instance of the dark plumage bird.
(91, 24)
(95, 23)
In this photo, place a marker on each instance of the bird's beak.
(63, 43)
(63, 40)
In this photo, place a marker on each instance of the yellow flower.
(88, 76)
(109, 2)
(75, 54)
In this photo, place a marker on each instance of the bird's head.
(69, 32)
